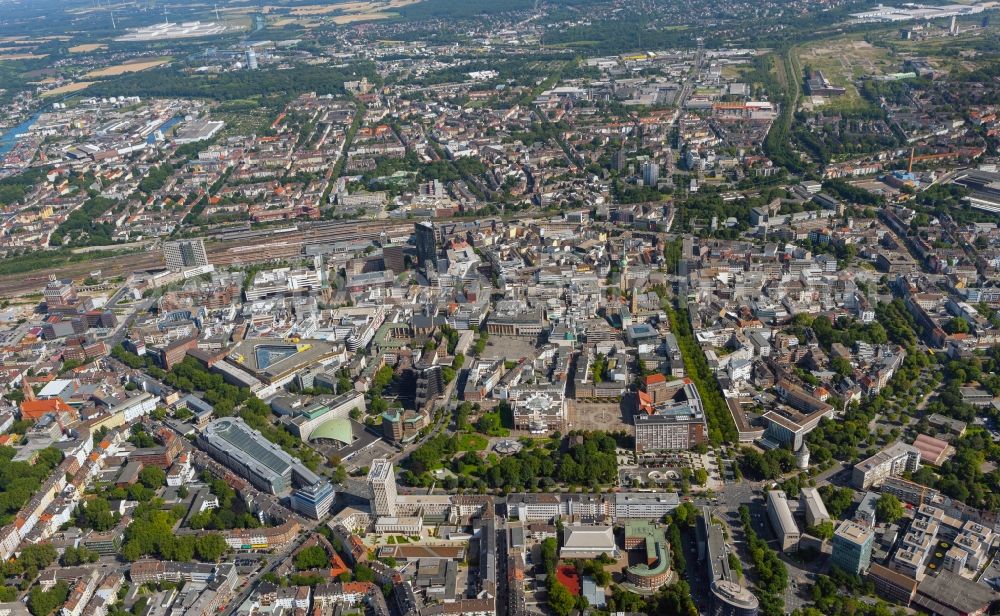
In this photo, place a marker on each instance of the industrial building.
(984, 187)
(816, 84)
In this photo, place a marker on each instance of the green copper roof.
(336, 430)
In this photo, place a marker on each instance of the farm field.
(128, 67)
(68, 88)
(87, 47)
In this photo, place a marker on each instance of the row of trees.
(721, 428)
(772, 575)
(561, 601)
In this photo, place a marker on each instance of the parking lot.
(364, 457)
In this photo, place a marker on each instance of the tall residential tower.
(382, 483)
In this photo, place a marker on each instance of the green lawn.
(472, 442)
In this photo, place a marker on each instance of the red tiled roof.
(35, 409)
(655, 378)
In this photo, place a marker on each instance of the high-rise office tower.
(426, 236)
(394, 257)
(185, 254)
(852, 547)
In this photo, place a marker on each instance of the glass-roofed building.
(266, 465)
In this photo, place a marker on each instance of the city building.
(382, 483)
(730, 596)
(852, 547)
(643, 505)
(430, 384)
(672, 427)
(59, 294)
(654, 570)
(892, 585)
(588, 542)
(266, 465)
(313, 500)
(540, 412)
(780, 515)
(909, 491)
(263, 538)
(307, 418)
(670, 416)
(394, 257)
(892, 461)
(816, 512)
(185, 254)
(426, 239)
(403, 425)
(650, 174)
(281, 282)
(787, 426)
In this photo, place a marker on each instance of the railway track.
(245, 248)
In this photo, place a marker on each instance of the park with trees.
(585, 459)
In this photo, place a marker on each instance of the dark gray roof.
(949, 594)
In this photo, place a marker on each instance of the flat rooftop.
(272, 358)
